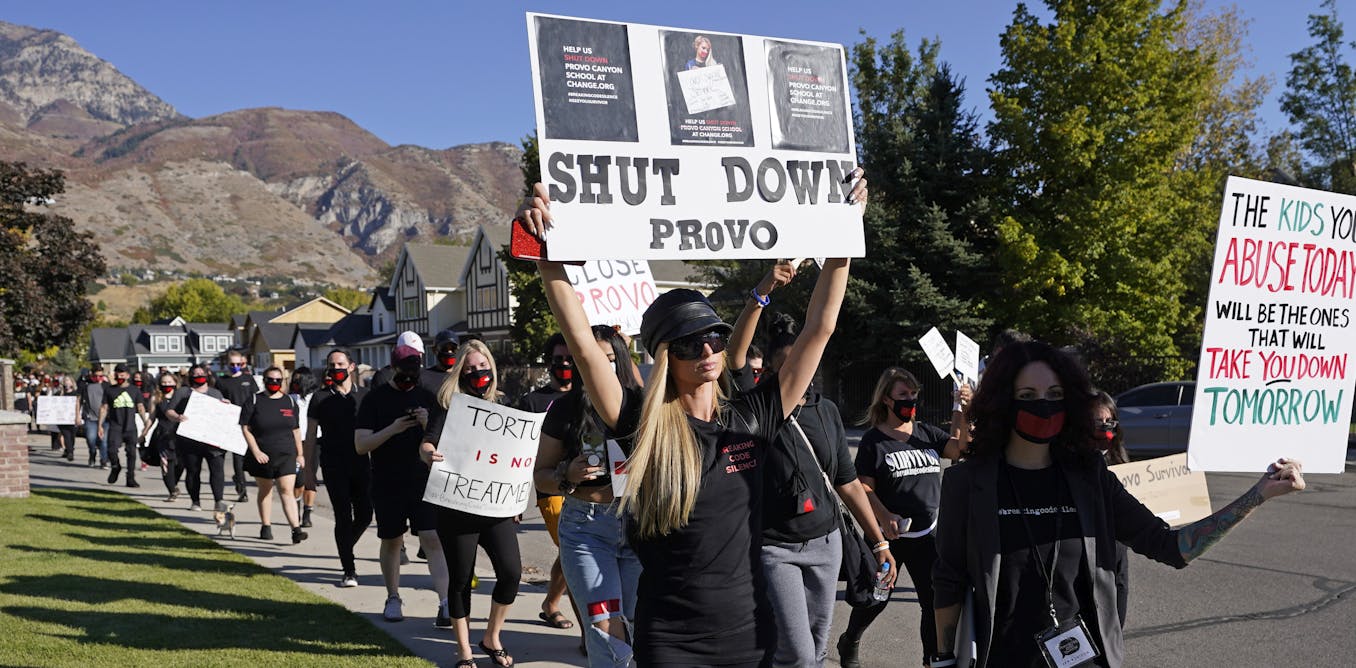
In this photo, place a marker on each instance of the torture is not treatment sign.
(669, 143)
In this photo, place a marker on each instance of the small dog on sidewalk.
(225, 519)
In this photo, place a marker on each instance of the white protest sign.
(488, 456)
(214, 422)
(706, 88)
(55, 410)
(1167, 487)
(665, 143)
(616, 460)
(938, 352)
(967, 357)
(1273, 379)
(614, 292)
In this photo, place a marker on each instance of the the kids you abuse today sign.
(670, 143)
(1275, 375)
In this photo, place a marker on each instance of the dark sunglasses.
(690, 347)
(562, 359)
(1108, 425)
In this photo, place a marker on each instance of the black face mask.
(197, 381)
(904, 409)
(272, 385)
(337, 375)
(477, 383)
(294, 388)
(405, 381)
(562, 373)
(447, 359)
(1038, 420)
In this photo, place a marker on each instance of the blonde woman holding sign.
(460, 532)
(694, 502)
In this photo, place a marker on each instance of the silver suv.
(1156, 418)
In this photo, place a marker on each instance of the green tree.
(196, 300)
(349, 298)
(532, 320)
(45, 262)
(1320, 98)
(1092, 114)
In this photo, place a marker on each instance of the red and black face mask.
(338, 376)
(905, 409)
(1038, 420)
(197, 381)
(477, 382)
(447, 358)
(1105, 432)
(273, 384)
(562, 371)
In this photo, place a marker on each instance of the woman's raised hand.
(535, 213)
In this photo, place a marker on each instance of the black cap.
(445, 336)
(120, 368)
(676, 314)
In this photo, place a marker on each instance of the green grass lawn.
(93, 578)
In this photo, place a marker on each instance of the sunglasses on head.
(690, 347)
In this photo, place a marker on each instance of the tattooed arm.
(1194, 539)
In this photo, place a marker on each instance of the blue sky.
(440, 74)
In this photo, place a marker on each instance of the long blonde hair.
(878, 413)
(664, 472)
(452, 384)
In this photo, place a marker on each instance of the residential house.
(489, 302)
(427, 290)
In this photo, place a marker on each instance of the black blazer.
(968, 552)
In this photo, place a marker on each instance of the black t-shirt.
(908, 475)
(701, 598)
(1020, 610)
(563, 422)
(791, 475)
(122, 401)
(743, 378)
(336, 414)
(238, 390)
(396, 462)
(164, 426)
(539, 400)
(272, 422)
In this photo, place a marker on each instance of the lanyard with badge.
(1064, 644)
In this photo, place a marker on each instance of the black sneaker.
(298, 535)
(133, 483)
(113, 474)
(266, 532)
(420, 554)
(244, 496)
(306, 518)
(847, 652)
(444, 618)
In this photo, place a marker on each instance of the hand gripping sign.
(488, 456)
(665, 143)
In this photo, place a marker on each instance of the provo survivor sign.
(669, 143)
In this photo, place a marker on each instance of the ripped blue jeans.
(602, 572)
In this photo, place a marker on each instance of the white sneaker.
(349, 580)
(392, 613)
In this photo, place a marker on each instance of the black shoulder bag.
(858, 570)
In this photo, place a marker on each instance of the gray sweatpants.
(802, 583)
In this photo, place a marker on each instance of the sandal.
(465, 662)
(500, 656)
(556, 619)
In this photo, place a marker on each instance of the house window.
(410, 308)
(381, 322)
(158, 344)
(485, 257)
(174, 344)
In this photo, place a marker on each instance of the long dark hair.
(992, 413)
(1115, 452)
(625, 375)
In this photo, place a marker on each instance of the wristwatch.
(566, 487)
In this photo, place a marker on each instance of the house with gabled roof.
(489, 301)
(427, 291)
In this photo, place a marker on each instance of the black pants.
(460, 533)
(917, 555)
(350, 487)
(64, 439)
(238, 475)
(174, 469)
(193, 455)
(128, 439)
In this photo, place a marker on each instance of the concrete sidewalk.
(313, 564)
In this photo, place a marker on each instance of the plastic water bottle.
(882, 589)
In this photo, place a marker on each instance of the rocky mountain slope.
(253, 192)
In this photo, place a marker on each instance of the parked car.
(1156, 418)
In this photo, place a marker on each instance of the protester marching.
(723, 485)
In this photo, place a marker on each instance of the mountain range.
(264, 192)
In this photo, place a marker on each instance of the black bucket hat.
(676, 314)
